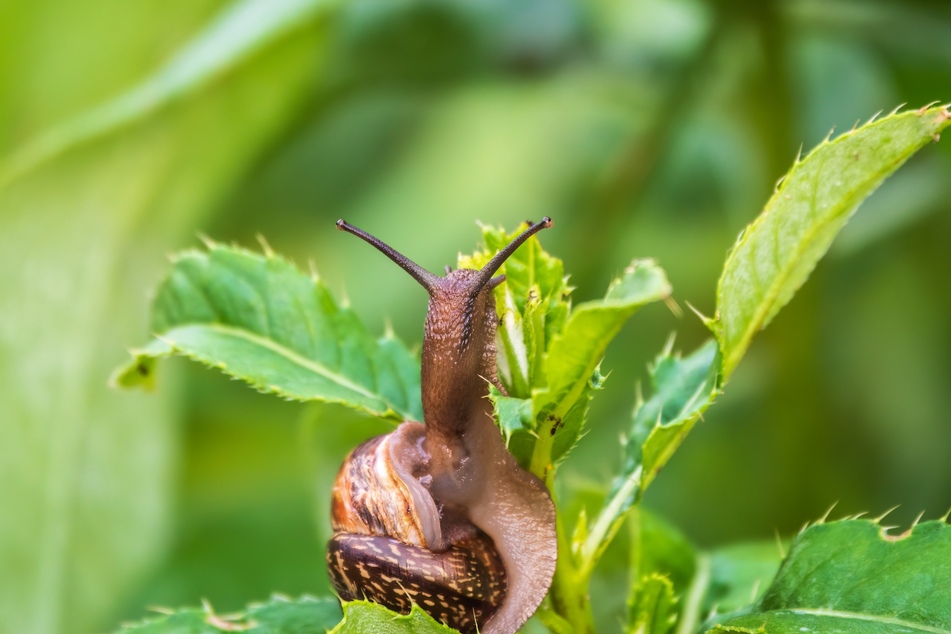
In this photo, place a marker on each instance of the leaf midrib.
(858, 616)
(288, 353)
(773, 292)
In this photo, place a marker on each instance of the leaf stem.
(540, 463)
(690, 617)
(634, 561)
(606, 525)
(569, 592)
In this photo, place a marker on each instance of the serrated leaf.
(533, 304)
(652, 611)
(774, 256)
(852, 576)
(306, 615)
(572, 360)
(513, 414)
(363, 617)
(257, 318)
(683, 389)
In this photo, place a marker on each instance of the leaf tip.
(265, 247)
(388, 332)
(881, 517)
(709, 322)
(669, 344)
(673, 306)
(779, 543)
(210, 244)
(825, 516)
(137, 373)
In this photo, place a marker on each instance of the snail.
(439, 513)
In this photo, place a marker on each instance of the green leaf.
(652, 611)
(259, 319)
(774, 256)
(513, 415)
(363, 617)
(548, 357)
(572, 359)
(306, 615)
(852, 576)
(739, 574)
(658, 547)
(533, 304)
(88, 211)
(683, 389)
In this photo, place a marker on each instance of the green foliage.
(774, 256)
(259, 319)
(650, 128)
(853, 576)
(573, 357)
(683, 389)
(556, 350)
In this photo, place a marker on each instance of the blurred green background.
(643, 127)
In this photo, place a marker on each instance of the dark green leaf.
(259, 319)
(852, 576)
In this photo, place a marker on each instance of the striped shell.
(388, 546)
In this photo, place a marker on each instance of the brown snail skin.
(441, 514)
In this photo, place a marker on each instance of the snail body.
(441, 514)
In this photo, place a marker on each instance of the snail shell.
(388, 544)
